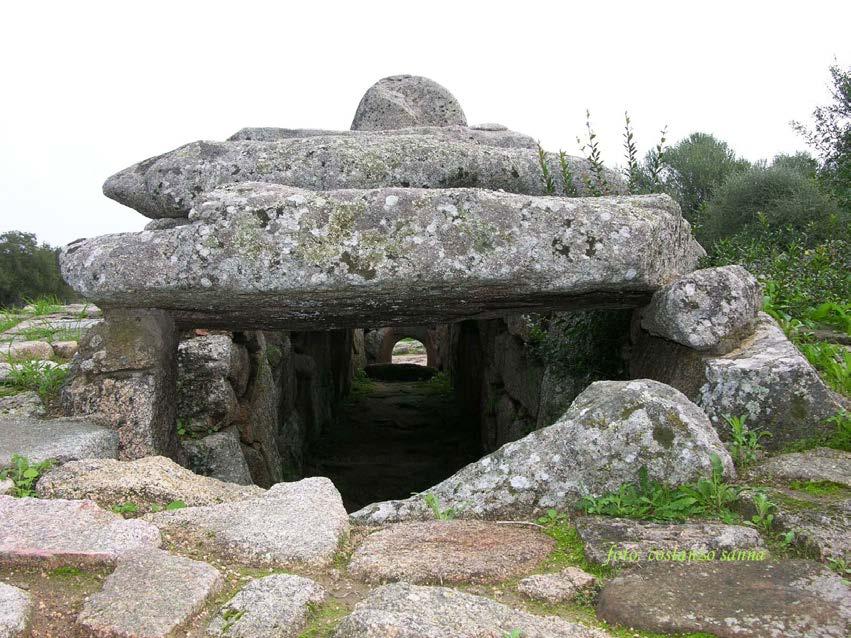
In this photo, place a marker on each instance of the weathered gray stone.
(293, 523)
(60, 532)
(819, 464)
(260, 405)
(790, 599)
(410, 611)
(219, 456)
(276, 606)
(7, 487)
(151, 594)
(711, 309)
(612, 429)
(400, 101)
(621, 540)
(768, 380)
(765, 379)
(441, 552)
(170, 185)
(143, 482)
(212, 372)
(25, 350)
(60, 440)
(65, 349)
(556, 588)
(125, 373)
(16, 607)
(24, 405)
(336, 258)
(484, 136)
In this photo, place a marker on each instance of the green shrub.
(778, 197)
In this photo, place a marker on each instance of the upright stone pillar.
(126, 374)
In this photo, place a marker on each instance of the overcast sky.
(89, 88)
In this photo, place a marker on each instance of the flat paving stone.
(26, 350)
(402, 610)
(60, 532)
(818, 464)
(789, 599)
(60, 440)
(293, 523)
(22, 405)
(15, 611)
(143, 482)
(449, 552)
(613, 540)
(556, 588)
(276, 606)
(151, 594)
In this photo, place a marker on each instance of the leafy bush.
(778, 197)
(696, 166)
(655, 501)
(28, 269)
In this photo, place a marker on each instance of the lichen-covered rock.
(276, 606)
(819, 464)
(792, 599)
(556, 588)
(58, 440)
(766, 379)
(16, 608)
(170, 185)
(143, 482)
(611, 431)
(484, 136)
(402, 610)
(770, 382)
(59, 532)
(389, 255)
(400, 101)
(219, 456)
(150, 594)
(618, 541)
(293, 523)
(443, 552)
(710, 309)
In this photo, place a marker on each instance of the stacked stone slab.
(410, 218)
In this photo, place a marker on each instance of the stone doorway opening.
(409, 351)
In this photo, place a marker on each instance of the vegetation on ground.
(46, 378)
(745, 445)
(24, 474)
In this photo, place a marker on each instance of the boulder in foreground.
(612, 429)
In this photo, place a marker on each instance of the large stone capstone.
(169, 185)
(271, 256)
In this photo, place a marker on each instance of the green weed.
(434, 505)
(25, 474)
(44, 378)
(546, 175)
(125, 508)
(818, 488)
(763, 519)
(44, 305)
(745, 445)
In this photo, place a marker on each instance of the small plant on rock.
(125, 508)
(745, 446)
(546, 175)
(440, 514)
(25, 474)
(713, 493)
(765, 509)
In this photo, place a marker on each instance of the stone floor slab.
(15, 611)
(556, 588)
(413, 611)
(60, 440)
(276, 606)
(792, 599)
(449, 552)
(60, 532)
(819, 464)
(612, 540)
(293, 523)
(151, 594)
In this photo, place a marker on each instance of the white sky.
(89, 88)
